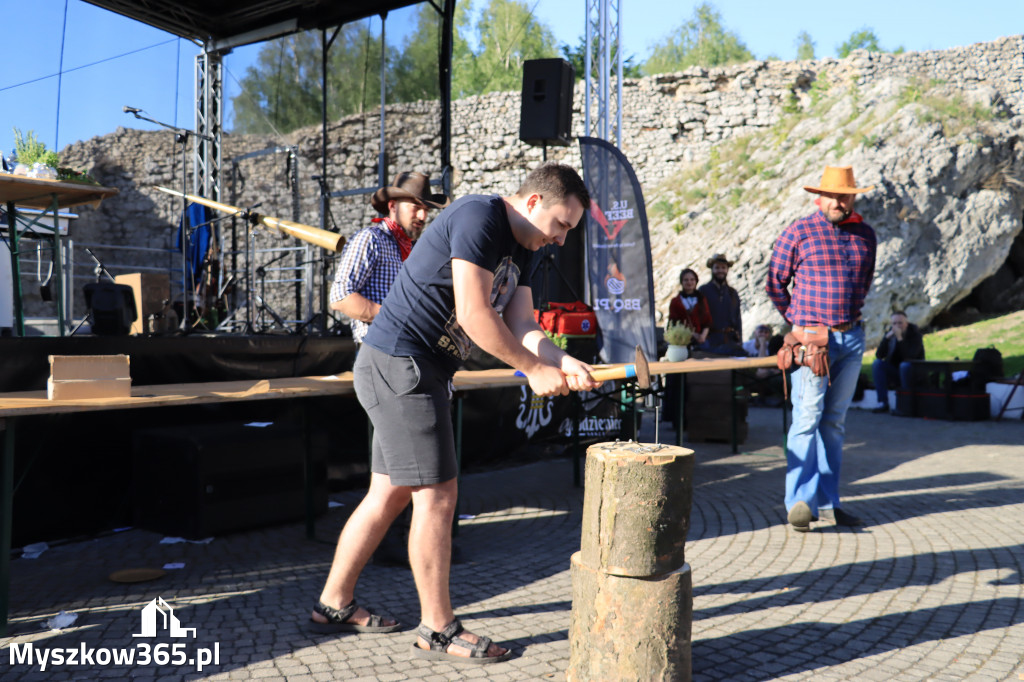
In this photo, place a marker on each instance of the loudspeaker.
(546, 114)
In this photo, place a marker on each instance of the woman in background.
(691, 307)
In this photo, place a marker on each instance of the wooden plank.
(39, 192)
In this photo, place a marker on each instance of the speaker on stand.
(546, 114)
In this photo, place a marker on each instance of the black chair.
(112, 308)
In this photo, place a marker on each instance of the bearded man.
(829, 258)
(372, 258)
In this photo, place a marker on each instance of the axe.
(638, 370)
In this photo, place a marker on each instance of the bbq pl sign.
(618, 253)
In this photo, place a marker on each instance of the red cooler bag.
(574, 319)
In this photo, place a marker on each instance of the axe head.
(643, 371)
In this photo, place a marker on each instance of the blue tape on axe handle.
(630, 371)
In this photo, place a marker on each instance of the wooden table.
(28, 403)
(47, 195)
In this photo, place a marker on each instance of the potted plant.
(678, 336)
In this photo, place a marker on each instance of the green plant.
(30, 150)
(678, 334)
(663, 209)
(559, 340)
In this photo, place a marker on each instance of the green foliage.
(867, 140)
(1005, 332)
(416, 75)
(804, 46)
(954, 113)
(576, 54)
(792, 104)
(283, 91)
(819, 89)
(30, 150)
(664, 210)
(701, 41)
(509, 35)
(560, 340)
(864, 39)
(678, 334)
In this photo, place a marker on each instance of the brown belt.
(845, 327)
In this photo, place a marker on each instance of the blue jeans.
(814, 445)
(885, 373)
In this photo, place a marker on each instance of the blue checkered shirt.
(369, 264)
(830, 268)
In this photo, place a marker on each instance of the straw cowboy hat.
(719, 258)
(414, 186)
(838, 180)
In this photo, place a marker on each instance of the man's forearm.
(358, 307)
(490, 332)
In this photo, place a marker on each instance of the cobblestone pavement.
(931, 589)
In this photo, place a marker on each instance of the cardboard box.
(84, 377)
(151, 289)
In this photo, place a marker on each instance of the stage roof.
(223, 24)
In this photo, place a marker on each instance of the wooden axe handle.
(612, 373)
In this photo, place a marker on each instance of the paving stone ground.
(931, 589)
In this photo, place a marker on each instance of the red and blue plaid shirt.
(830, 268)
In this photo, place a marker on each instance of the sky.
(69, 80)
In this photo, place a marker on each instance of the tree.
(283, 91)
(701, 41)
(864, 39)
(804, 46)
(416, 73)
(509, 35)
(575, 56)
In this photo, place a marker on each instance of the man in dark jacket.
(901, 344)
(726, 335)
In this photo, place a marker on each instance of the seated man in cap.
(726, 335)
(372, 258)
(902, 343)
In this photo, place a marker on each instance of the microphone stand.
(187, 282)
(325, 215)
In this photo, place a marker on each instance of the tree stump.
(632, 590)
(636, 509)
(628, 630)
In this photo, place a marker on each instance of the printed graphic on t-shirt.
(506, 279)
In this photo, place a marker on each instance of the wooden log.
(636, 508)
(629, 629)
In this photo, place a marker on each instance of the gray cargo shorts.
(408, 401)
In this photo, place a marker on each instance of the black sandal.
(337, 620)
(440, 641)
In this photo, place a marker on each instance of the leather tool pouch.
(805, 347)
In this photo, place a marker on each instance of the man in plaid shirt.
(372, 258)
(829, 259)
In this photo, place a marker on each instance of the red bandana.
(404, 243)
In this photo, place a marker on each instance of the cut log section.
(636, 509)
(626, 629)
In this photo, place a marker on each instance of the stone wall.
(671, 123)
